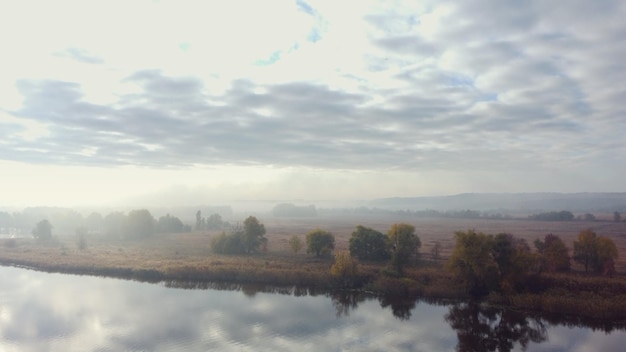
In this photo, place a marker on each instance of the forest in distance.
(554, 261)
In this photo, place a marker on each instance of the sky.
(202, 102)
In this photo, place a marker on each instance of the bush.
(231, 243)
(369, 244)
(345, 267)
(295, 243)
(320, 242)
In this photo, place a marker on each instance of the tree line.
(503, 262)
(136, 224)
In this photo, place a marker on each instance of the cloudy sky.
(210, 101)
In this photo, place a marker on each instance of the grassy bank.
(187, 258)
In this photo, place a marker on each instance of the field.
(186, 259)
(431, 230)
(167, 251)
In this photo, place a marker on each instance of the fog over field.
(168, 103)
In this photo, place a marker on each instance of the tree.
(295, 243)
(169, 224)
(94, 222)
(585, 251)
(81, 238)
(513, 259)
(231, 243)
(43, 230)
(6, 220)
(563, 215)
(553, 254)
(369, 244)
(403, 243)
(139, 223)
(472, 262)
(436, 250)
(607, 254)
(596, 252)
(115, 223)
(320, 242)
(590, 217)
(199, 225)
(254, 233)
(345, 269)
(215, 222)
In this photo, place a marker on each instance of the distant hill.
(522, 202)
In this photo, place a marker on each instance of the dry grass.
(431, 230)
(170, 251)
(187, 257)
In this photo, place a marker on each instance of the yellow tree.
(585, 251)
(345, 268)
(472, 262)
(553, 253)
(344, 265)
(607, 254)
(595, 252)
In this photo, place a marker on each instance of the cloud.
(434, 86)
(81, 55)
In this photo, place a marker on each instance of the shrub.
(369, 244)
(231, 243)
(295, 243)
(320, 242)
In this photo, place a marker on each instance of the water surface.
(57, 312)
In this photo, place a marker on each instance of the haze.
(189, 102)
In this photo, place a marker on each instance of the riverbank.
(187, 258)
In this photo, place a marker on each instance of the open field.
(186, 257)
(431, 230)
(192, 249)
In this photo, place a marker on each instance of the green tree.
(295, 243)
(320, 242)
(140, 223)
(513, 259)
(369, 244)
(585, 249)
(231, 243)
(43, 230)
(553, 254)
(254, 233)
(403, 243)
(472, 262)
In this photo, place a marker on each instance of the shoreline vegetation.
(498, 270)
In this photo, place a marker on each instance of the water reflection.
(54, 312)
(484, 328)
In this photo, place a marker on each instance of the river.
(59, 312)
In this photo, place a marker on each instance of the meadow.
(187, 257)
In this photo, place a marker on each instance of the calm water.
(55, 312)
